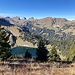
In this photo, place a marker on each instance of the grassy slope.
(36, 70)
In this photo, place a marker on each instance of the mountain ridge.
(50, 28)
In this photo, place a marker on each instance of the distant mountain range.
(25, 31)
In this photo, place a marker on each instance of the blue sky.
(38, 8)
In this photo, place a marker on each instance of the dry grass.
(36, 69)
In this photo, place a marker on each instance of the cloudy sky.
(38, 8)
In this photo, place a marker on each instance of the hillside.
(15, 39)
(37, 69)
(30, 30)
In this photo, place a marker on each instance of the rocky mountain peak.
(7, 17)
(32, 18)
(50, 28)
(16, 18)
(24, 18)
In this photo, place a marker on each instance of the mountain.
(4, 22)
(29, 31)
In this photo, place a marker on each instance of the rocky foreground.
(37, 69)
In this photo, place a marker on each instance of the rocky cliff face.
(41, 22)
(50, 28)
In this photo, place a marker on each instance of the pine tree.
(27, 55)
(41, 51)
(53, 55)
(71, 53)
(4, 45)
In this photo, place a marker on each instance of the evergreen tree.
(27, 54)
(71, 53)
(4, 45)
(41, 51)
(53, 55)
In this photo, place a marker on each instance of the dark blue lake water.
(20, 50)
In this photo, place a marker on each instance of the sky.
(38, 8)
